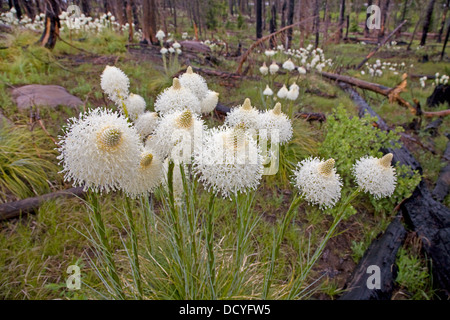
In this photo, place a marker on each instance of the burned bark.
(381, 253)
(16, 209)
(442, 187)
(52, 24)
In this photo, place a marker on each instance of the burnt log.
(429, 218)
(443, 182)
(440, 95)
(381, 253)
(16, 209)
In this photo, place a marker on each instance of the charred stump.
(52, 24)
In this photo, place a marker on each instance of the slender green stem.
(134, 248)
(277, 243)
(338, 218)
(100, 229)
(210, 244)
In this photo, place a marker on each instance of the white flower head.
(176, 45)
(163, 51)
(275, 122)
(194, 82)
(269, 53)
(292, 94)
(146, 123)
(318, 182)
(135, 105)
(301, 70)
(146, 177)
(267, 91)
(244, 114)
(176, 98)
(273, 68)
(210, 101)
(99, 150)
(115, 84)
(264, 69)
(376, 176)
(289, 65)
(177, 134)
(160, 35)
(229, 161)
(283, 92)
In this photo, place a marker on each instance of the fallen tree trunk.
(443, 183)
(16, 209)
(392, 93)
(381, 253)
(427, 217)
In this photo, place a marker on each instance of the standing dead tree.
(52, 24)
(149, 21)
(427, 22)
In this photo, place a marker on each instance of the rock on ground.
(44, 95)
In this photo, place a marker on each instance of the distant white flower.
(178, 51)
(288, 65)
(229, 161)
(267, 91)
(163, 51)
(146, 123)
(282, 93)
(135, 105)
(160, 35)
(273, 68)
(269, 53)
(294, 86)
(176, 45)
(184, 35)
(318, 182)
(264, 69)
(272, 120)
(210, 101)
(99, 150)
(301, 70)
(194, 82)
(176, 98)
(115, 84)
(376, 176)
(362, 72)
(146, 177)
(292, 94)
(171, 50)
(244, 114)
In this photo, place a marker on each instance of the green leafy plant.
(350, 138)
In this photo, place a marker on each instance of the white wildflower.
(210, 101)
(115, 84)
(229, 161)
(99, 150)
(264, 69)
(245, 114)
(282, 93)
(273, 68)
(267, 91)
(376, 176)
(135, 105)
(160, 35)
(318, 182)
(176, 98)
(146, 123)
(194, 82)
(288, 65)
(275, 120)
